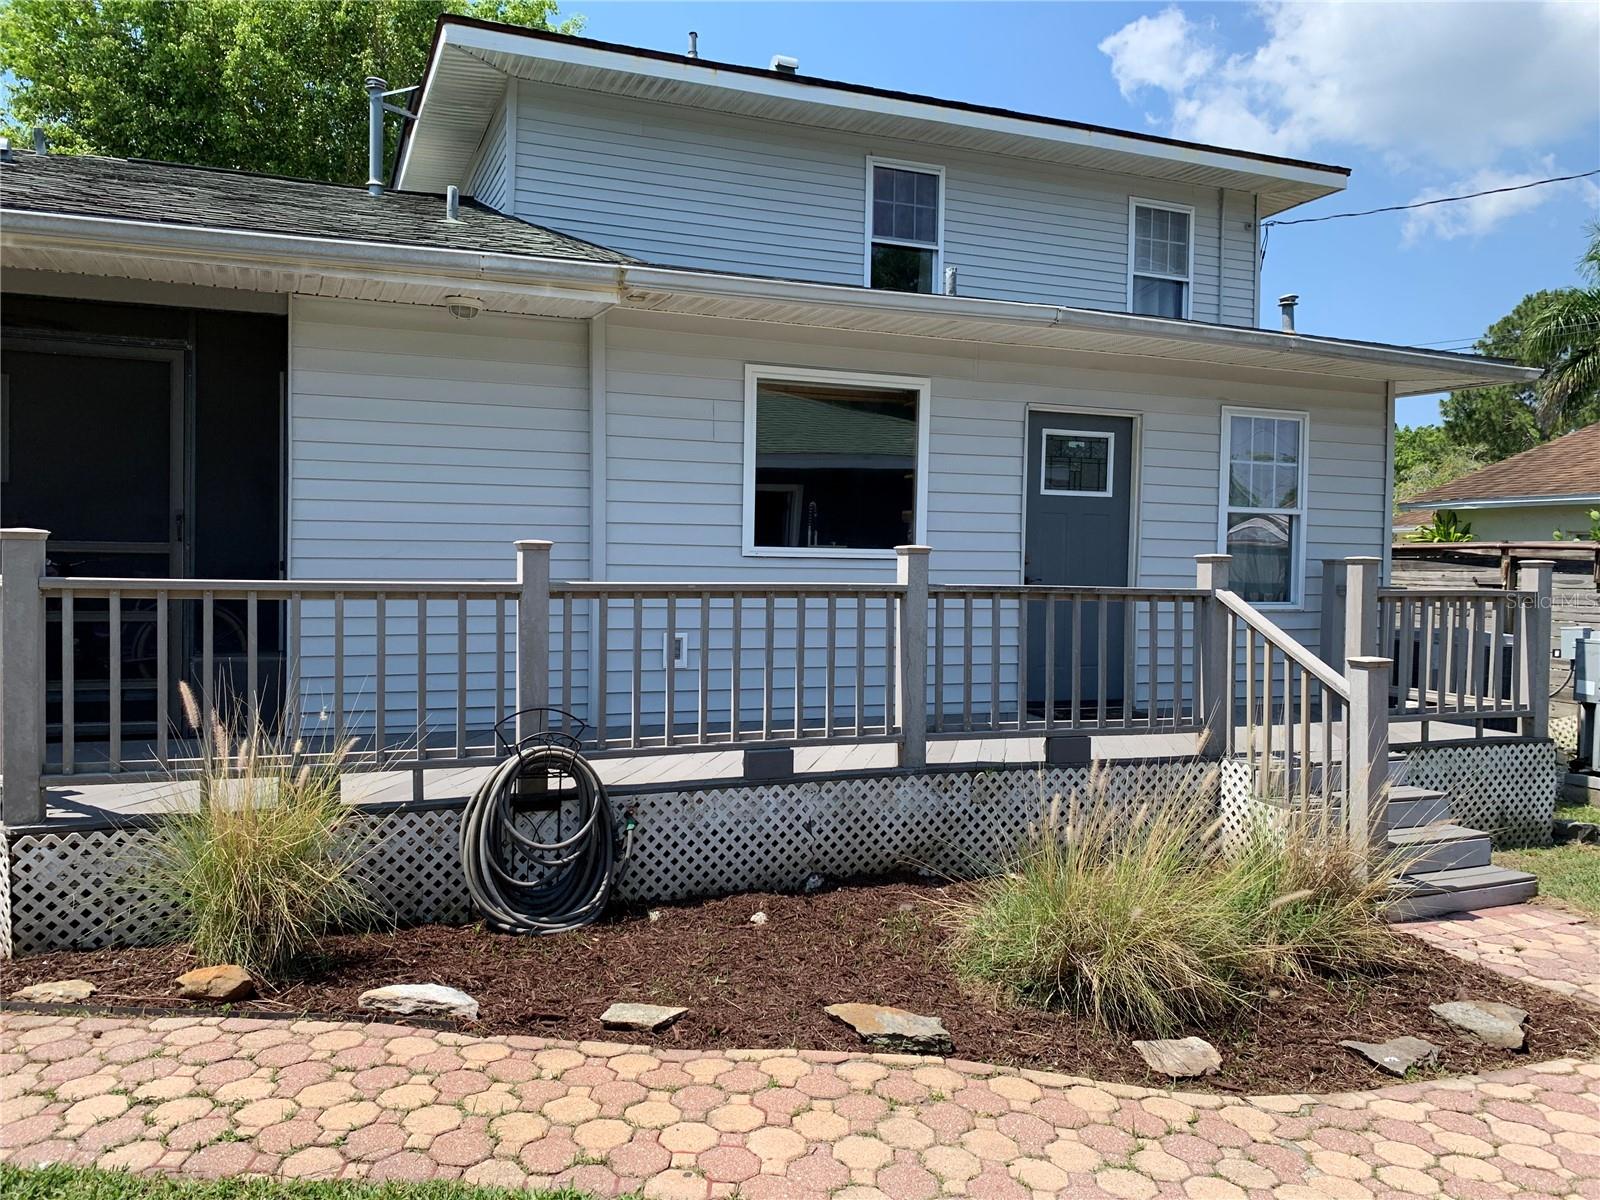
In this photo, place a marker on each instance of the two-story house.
(690, 320)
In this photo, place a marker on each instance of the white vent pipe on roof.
(452, 203)
(694, 45)
(785, 64)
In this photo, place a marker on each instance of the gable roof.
(209, 197)
(1565, 470)
(471, 59)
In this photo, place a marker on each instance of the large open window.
(1160, 258)
(835, 463)
(905, 225)
(1264, 503)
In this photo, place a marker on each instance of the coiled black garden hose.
(572, 877)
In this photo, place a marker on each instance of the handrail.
(305, 589)
(1430, 593)
(1303, 658)
(1040, 591)
(721, 589)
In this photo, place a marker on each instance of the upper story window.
(1264, 503)
(1160, 259)
(905, 224)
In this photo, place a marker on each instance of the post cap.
(24, 534)
(910, 550)
(1537, 562)
(1213, 558)
(1369, 662)
(1366, 560)
(532, 544)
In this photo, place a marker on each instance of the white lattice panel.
(78, 889)
(1507, 788)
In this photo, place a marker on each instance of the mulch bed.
(756, 986)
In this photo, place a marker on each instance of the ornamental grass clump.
(267, 861)
(1143, 922)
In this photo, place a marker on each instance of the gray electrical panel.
(1580, 645)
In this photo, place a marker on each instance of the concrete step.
(1410, 807)
(1439, 893)
(1440, 847)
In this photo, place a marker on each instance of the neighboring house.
(693, 321)
(1529, 497)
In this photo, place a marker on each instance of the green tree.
(1502, 420)
(1425, 457)
(1565, 334)
(260, 85)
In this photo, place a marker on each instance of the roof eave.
(1484, 502)
(1300, 181)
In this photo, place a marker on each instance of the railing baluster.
(638, 672)
(599, 695)
(380, 683)
(1425, 646)
(1130, 660)
(799, 665)
(966, 662)
(1022, 661)
(1251, 724)
(703, 700)
(1050, 662)
(766, 670)
(1153, 663)
(1306, 764)
(292, 722)
(69, 687)
(861, 665)
(163, 680)
(568, 667)
(938, 661)
(669, 667)
(208, 636)
(500, 660)
(252, 684)
(891, 668)
(114, 655)
(830, 668)
(734, 681)
(422, 676)
(461, 676)
(994, 662)
(1102, 617)
(1496, 619)
(1075, 657)
(338, 670)
(1266, 702)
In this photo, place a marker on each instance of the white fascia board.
(1503, 502)
(551, 276)
(670, 280)
(823, 96)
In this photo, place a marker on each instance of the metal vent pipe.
(1287, 304)
(694, 45)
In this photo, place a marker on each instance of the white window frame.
(1297, 567)
(1135, 203)
(1109, 436)
(937, 245)
(753, 374)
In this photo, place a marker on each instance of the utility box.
(1580, 645)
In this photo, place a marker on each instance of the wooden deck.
(624, 774)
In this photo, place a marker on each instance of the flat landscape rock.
(216, 983)
(642, 1018)
(1487, 1020)
(424, 999)
(894, 1028)
(57, 991)
(1180, 1058)
(1396, 1056)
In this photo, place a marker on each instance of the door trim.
(1135, 478)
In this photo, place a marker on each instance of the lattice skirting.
(78, 889)
(1506, 788)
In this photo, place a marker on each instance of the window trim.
(754, 373)
(1297, 568)
(1135, 203)
(937, 245)
(1110, 437)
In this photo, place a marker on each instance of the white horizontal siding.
(684, 188)
(422, 447)
(489, 177)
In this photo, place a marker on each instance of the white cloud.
(1478, 216)
(1452, 85)
(1163, 51)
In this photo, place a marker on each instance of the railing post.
(1367, 754)
(1536, 576)
(533, 632)
(1361, 607)
(1216, 664)
(1331, 647)
(911, 647)
(22, 556)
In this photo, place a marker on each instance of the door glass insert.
(1076, 464)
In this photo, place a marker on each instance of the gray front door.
(1079, 490)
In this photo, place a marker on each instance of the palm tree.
(1566, 334)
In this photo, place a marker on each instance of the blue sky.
(1419, 99)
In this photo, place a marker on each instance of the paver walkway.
(1535, 943)
(228, 1096)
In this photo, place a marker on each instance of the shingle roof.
(173, 194)
(1566, 466)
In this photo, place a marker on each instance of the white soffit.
(469, 71)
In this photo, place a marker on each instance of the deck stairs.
(1447, 866)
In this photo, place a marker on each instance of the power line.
(1516, 187)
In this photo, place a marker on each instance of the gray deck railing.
(1459, 655)
(417, 674)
